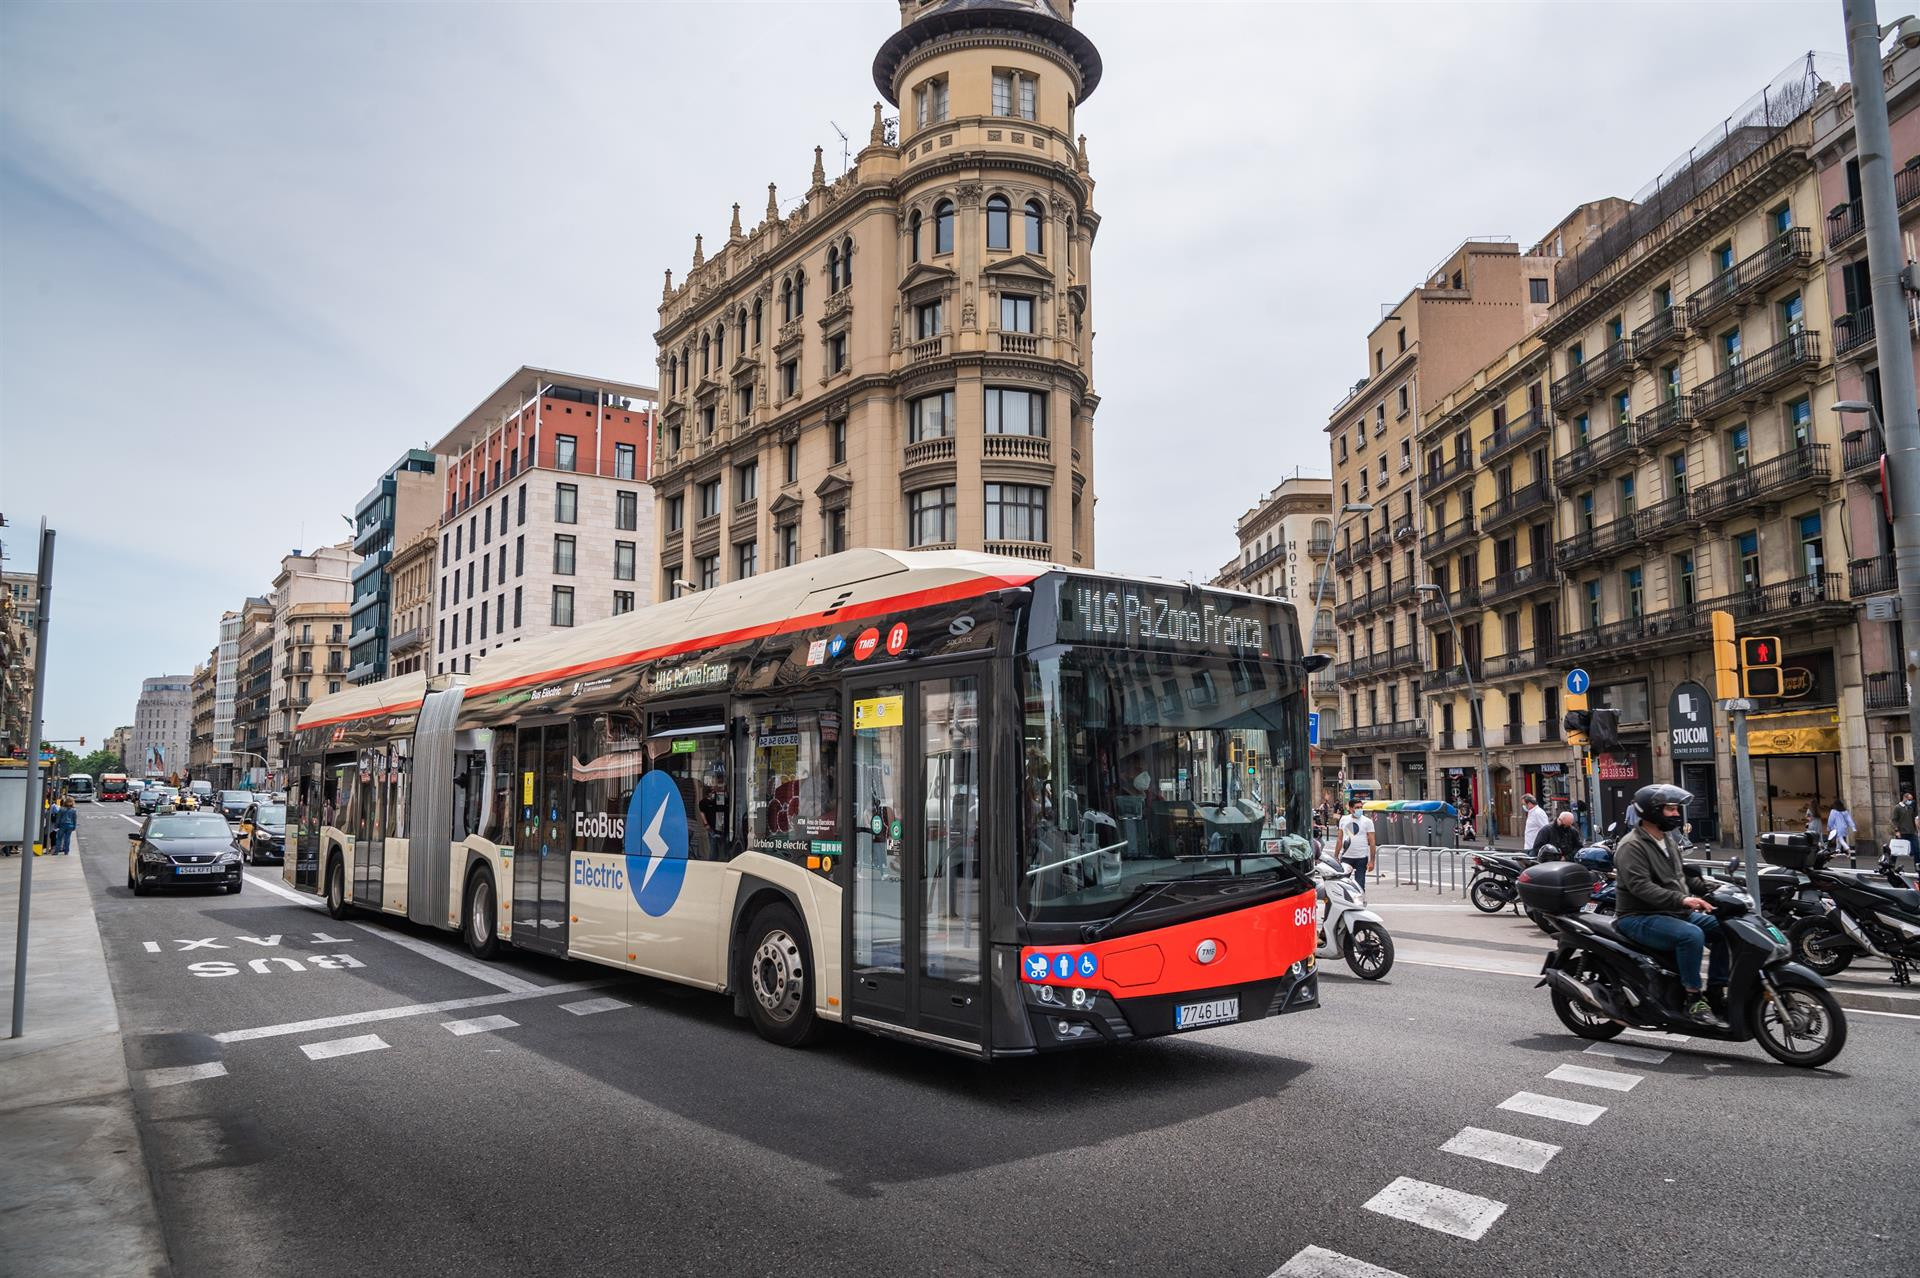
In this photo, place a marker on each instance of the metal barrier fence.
(1423, 868)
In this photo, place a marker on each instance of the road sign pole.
(1743, 792)
(32, 824)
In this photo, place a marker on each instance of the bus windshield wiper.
(1151, 892)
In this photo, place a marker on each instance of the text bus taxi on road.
(971, 801)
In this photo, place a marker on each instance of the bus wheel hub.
(777, 977)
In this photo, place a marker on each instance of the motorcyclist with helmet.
(1660, 908)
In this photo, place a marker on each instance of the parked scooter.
(1601, 982)
(1494, 873)
(1866, 918)
(1347, 927)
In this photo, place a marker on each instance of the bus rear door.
(543, 854)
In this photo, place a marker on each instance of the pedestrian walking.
(1537, 820)
(1903, 825)
(1359, 847)
(64, 821)
(1840, 828)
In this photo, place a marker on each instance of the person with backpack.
(1359, 846)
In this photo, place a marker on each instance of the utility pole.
(1887, 269)
(32, 801)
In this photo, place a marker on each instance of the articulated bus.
(975, 802)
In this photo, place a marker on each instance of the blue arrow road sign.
(1313, 727)
(1577, 681)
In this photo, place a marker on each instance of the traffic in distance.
(973, 802)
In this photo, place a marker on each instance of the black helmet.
(1652, 800)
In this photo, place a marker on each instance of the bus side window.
(506, 799)
(469, 792)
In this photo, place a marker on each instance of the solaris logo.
(656, 843)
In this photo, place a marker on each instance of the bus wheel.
(777, 973)
(336, 890)
(482, 937)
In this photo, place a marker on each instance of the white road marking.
(153, 947)
(1868, 1011)
(1612, 1080)
(1659, 1036)
(587, 1007)
(1318, 1262)
(1628, 1052)
(344, 1047)
(1502, 1149)
(129, 820)
(401, 1013)
(478, 1025)
(1436, 1207)
(426, 949)
(1561, 1111)
(181, 1074)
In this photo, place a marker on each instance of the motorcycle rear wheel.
(1486, 896)
(1804, 1015)
(1821, 946)
(1583, 1020)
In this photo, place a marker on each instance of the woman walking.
(64, 821)
(1840, 828)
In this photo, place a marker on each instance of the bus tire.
(776, 972)
(479, 927)
(337, 907)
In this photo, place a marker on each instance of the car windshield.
(276, 815)
(1143, 768)
(187, 827)
(236, 796)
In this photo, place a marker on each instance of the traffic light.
(1233, 751)
(1577, 723)
(1726, 658)
(1760, 666)
(1603, 725)
(1253, 761)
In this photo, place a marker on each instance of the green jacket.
(1650, 877)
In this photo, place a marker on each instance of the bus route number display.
(1140, 616)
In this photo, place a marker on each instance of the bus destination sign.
(1141, 615)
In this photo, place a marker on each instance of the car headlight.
(228, 858)
(154, 856)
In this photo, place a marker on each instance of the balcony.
(1459, 466)
(1906, 183)
(1263, 561)
(407, 640)
(1668, 628)
(1026, 448)
(1887, 692)
(1660, 520)
(1039, 550)
(1547, 732)
(1517, 663)
(1793, 250)
(1844, 223)
(1861, 451)
(1377, 733)
(1405, 657)
(1319, 546)
(1513, 505)
(1770, 480)
(1454, 676)
(1380, 541)
(1018, 343)
(1521, 581)
(1663, 422)
(1754, 377)
(1345, 559)
(1454, 534)
(929, 348)
(1874, 576)
(1593, 543)
(1324, 686)
(1853, 332)
(1434, 608)
(1531, 425)
(1597, 451)
(1812, 597)
(1656, 333)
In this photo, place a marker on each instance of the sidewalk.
(75, 1197)
(1441, 929)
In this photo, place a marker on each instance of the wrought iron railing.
(1758, 372)
(1872, 576)
(1764, 480)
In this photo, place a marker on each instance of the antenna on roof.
(846, 153)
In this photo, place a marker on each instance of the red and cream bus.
(980, 803)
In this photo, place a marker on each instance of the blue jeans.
(62, 842)
(1359, 869)
(1686, 938)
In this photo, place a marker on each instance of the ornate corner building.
(903, 359)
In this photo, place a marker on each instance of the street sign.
(1690, 723)
(1578, 682)
(1313, 727)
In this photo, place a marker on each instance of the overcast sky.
(250, 253)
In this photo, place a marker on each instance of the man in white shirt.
(1359, 847)
(1537, 820)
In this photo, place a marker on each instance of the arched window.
(1322, 530)
(706, 355)
(833, 270)
(943, 227)
(720, 345)
(846, 261)
(1036, 219)
(998, 212)
(800, 292)
(786, 301)
(673, 374)
(740, 330)
(756, 321)
(913, 233)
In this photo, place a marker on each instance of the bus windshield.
(79, 785)
(1146, 768)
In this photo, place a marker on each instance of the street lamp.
(1479, 719)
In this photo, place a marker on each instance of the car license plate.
(1194, 1015)
(196, 869)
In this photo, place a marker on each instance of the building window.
(520, 507)
(446, 545)
(1582, 429)
(833, 269)
(744, 398)
(707, 570)
(622, 602)
(1683, 588)
(676, 512)
(943, 227)
(626, 511)
(1592, 602)
(516, 607)
(746, 560)
(709, 498)
(487, 525)
(1800, 422)
(1746, 549)
(1632, 582)
(930, 516)
(1537, 291)
(483, 620)
(1016, 313)
(1403, 401)
(800, 292)
(1623, 409)
(1781, 219)
(459, 541)
(1013, 94)
(1036, 218)
(790, 453)
(563, 605)
(566, 503)
(1793, 316)
(674, 587)
(789, 545)
(926, 320)
(623, 560)
(1016, 412)
(837, 353)
(1738, 451)
(720, 345)
(1813, 557)
(930, 102)
(746, 482)
(1016, 512)
(790, 379)
(566, 452)
(708, 419)
(836, 531)
(623, 460)
(563, 546)
(520, 555)
(913, 236)
(999, 217)
(839, 430)
(930, 417)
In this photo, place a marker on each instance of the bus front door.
(545, 849)
(911, 807)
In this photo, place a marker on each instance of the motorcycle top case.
(1556, 887)
(1790, 851)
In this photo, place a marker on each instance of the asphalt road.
(611, 1124)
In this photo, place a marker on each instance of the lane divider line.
(478, 1025)
(177, 1074)
(1554, 1107)
(1318, 1262)
(1501, 1149)
(1612, 1080)
(1628, 1052)
(344, 1047)
(587, 1007)
(402, 1012)
(1435, 1207)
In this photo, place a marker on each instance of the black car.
(152, 799)
(182, 849)
(262, 835)
(234, 803)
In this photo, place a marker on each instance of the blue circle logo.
(1089, 963)
(656, 843)
(1062, 966)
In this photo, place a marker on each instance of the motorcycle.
(1601, 983)
(1494, 874)
(1349, 929)
(1866, 918)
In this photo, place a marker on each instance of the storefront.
(1797, 775)
(1547, 783)
(1413, 776)
(1621, 773)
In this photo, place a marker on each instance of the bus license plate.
(196, 869)
(1194, 1015)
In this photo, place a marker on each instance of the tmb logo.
(656, 842)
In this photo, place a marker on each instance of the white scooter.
(1348, 929)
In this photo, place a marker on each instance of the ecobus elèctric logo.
(656, 843)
